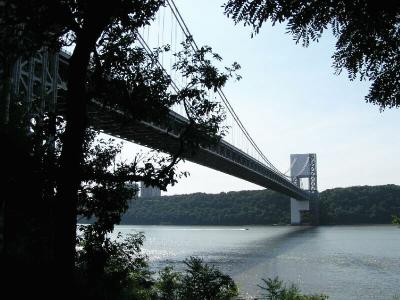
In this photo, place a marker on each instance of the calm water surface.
(345, 262)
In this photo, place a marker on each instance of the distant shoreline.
(360, 205)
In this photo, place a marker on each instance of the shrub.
(275, 289)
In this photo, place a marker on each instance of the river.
(344, 262)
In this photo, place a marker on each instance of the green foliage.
(353, 205)
(124, 76)
(276, 289)
(199, 282)
(233, 208)
(367, 35)
(116, 269)
(395, 219)
(111, 268)
(168, 284)
(359, 205)
(204, 282)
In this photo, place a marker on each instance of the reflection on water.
(345, 262)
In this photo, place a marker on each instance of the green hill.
(360, 204)
(353, 205)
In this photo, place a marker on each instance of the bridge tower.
(303, 171)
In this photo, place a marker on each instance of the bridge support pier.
(303, 166)
(296, 207)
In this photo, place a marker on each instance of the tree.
(107, 65)
(367, 32)
(110, 31)
(79, 23)
(87, 23)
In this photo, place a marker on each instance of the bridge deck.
(223, 157)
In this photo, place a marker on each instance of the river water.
(344, 262)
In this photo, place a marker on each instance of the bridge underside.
(223, 157)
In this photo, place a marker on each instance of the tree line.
(352, 205)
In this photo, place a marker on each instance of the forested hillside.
(353, 205)
(361, 204)
(233, 208)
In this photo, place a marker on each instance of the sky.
(290, 101)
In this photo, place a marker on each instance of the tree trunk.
(69, 177)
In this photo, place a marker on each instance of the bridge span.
(42, 76)
(223, 157)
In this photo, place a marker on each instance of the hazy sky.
(291, 102)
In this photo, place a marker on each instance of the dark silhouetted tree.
(105, 65)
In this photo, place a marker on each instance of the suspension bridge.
(43, 75)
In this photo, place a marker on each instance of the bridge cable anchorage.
(195, 47)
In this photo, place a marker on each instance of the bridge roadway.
(223, 157)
